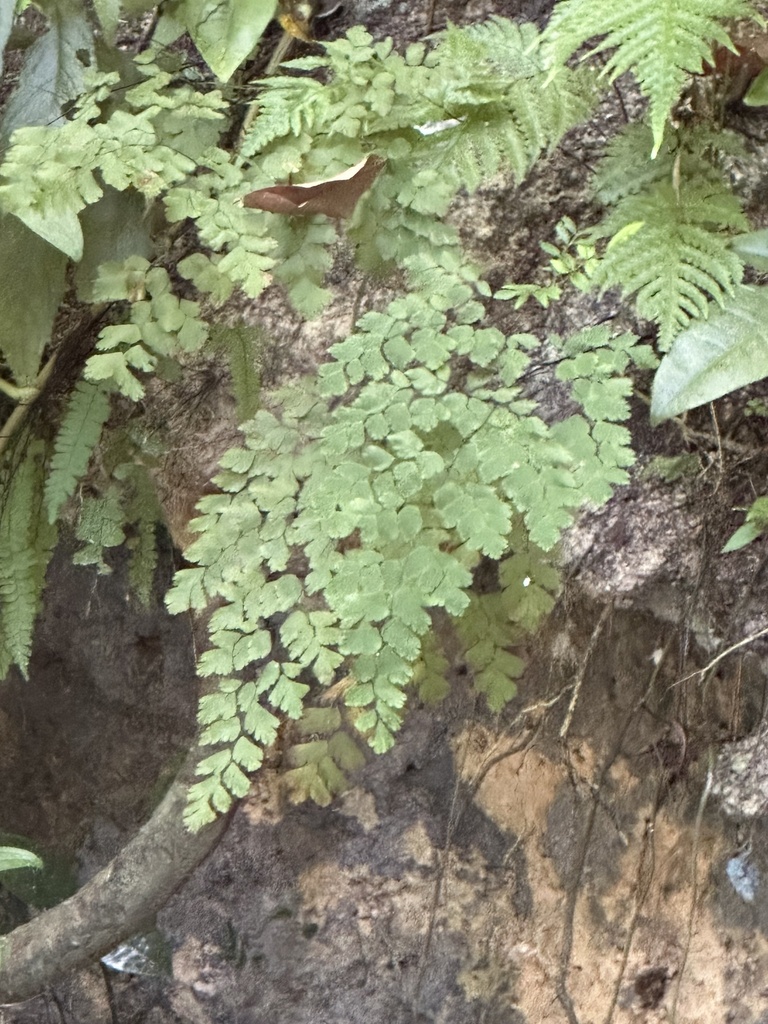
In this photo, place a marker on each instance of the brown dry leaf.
(335, 197)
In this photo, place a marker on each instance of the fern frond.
(100, 525)
(693, 153)
(322, 760)
(26, 543)
(496, 93)
(78, 435)
(663, 43)
(672, 251)
(392, 496)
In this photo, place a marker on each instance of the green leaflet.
(321, 761)
(162, 325)
(79, 433)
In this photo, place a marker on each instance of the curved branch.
(114, 904)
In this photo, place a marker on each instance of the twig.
(19, 414)
(723, 654)
(694, 881)
(583, 669)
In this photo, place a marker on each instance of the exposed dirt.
(596, 854)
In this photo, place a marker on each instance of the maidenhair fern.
(410, 491)
(340, 528)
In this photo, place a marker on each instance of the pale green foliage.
(79, 433)
(392, 497)
(49, 174)
(411, 488)
(669, 228)
(374, 99)
(162, 326)
(662, 43)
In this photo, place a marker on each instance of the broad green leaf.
(6, 23)
(753, 247)
(108, 13)
(29, 266)
(714, 357)
(114, 228)
(54, 70)
(12, 857)
(59, 227)
(226, 31)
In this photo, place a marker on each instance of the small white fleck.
(527, 581)
(433, 127)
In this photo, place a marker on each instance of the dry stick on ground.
(563, 994)
(114, 905)
(694, 882)
(583, 670)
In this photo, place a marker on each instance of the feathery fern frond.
(78, 435)
(670, 249)
(663, 43)
(496, 95)
(26, 543)
(696, 152)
